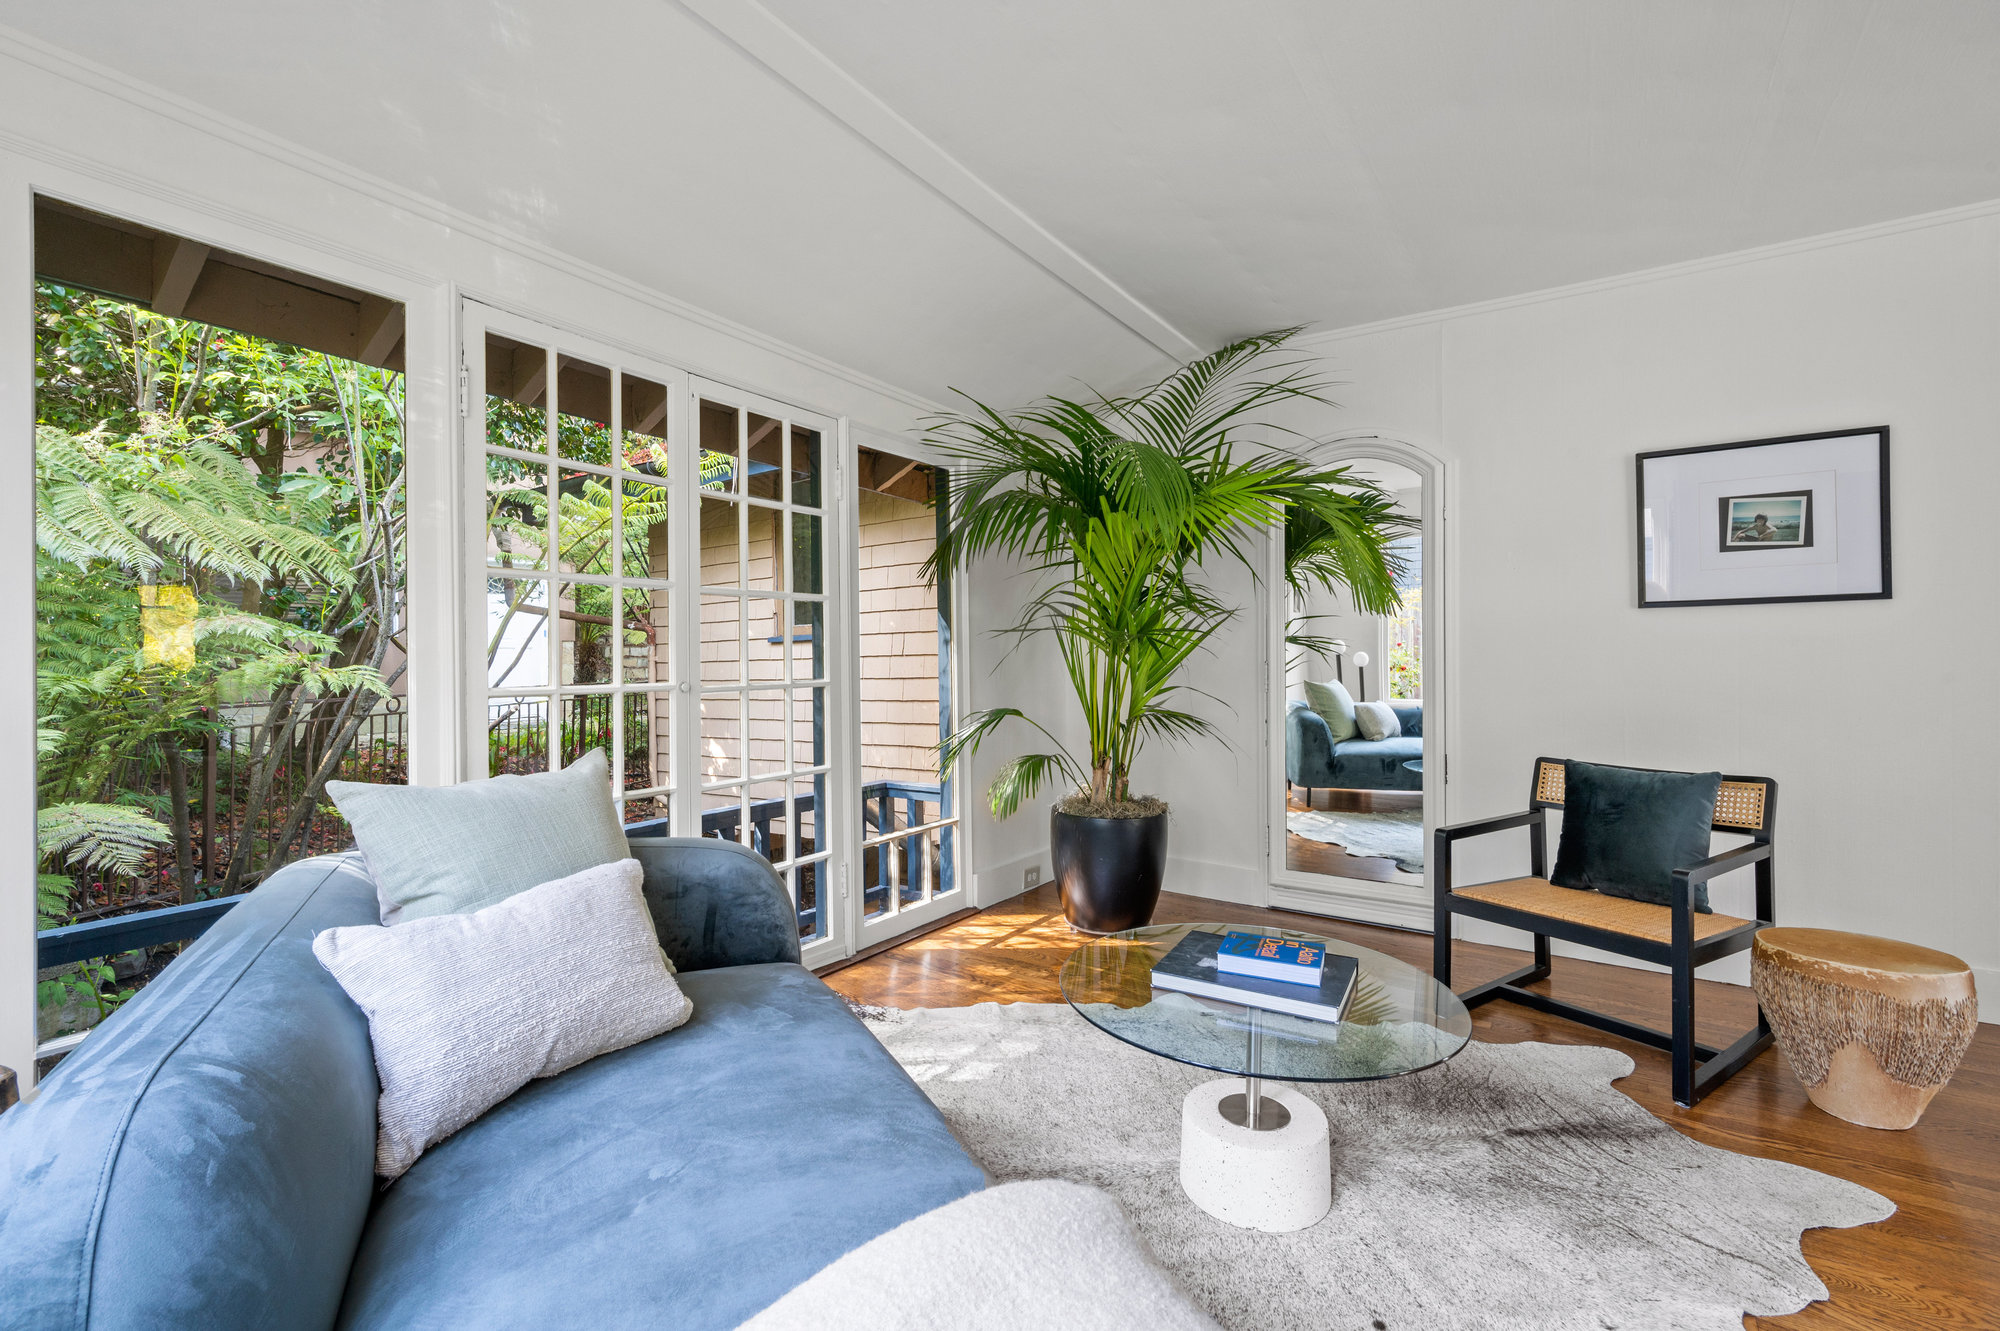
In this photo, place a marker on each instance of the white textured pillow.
(1378, 720)
(464, 1010)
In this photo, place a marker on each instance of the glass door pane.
(655, 560)
(579, 567)
(764, 759)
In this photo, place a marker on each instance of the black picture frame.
(1887, 591)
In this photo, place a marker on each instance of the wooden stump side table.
(1873, 1028)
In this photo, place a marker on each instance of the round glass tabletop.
(1398, 1020)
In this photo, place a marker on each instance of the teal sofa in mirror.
(1317, 761)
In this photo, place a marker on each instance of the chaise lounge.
(1315, 760)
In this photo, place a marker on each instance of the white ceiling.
(1243, 164)
(1094, 184)
(629, 134)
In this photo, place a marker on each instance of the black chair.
(1675, 936)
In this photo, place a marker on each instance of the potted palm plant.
(1118, 504)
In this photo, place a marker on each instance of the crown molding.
(1970, 212)
(62, 64)
(768, 40)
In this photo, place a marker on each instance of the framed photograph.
(1803, 517)
(1767, 522)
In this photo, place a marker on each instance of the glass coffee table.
(1255, 1154)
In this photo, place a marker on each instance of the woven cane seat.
(1618, 915)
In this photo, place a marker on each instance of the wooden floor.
(1308, 856)
(1935, 1263)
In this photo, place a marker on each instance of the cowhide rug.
(1513, 1187)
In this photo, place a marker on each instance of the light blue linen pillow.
(1335, 706)
(451, 850)
(1377, 720)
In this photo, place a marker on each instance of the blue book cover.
(1270, 958)
(1190, 967)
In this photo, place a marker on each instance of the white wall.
(1878, 719)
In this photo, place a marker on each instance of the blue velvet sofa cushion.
(206, 1158)
(1308, 746)
(715, 903)
(688, 1181)
(1377, 764)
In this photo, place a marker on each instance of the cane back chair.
(1675, 936)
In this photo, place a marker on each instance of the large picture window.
(219, 578)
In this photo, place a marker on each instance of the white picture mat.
(1682, 518)
(1825, 487)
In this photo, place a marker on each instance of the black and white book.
(1191, 969)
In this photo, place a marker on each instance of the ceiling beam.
(378, 328)
(765, 38)
(908, 467)
(177, 265)
(532, 378)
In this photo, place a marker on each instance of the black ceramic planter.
(1108, 870)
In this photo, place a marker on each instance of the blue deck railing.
(881, 802)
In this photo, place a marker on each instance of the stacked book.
(1300, 979)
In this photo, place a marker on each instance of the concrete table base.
(1274, 1179)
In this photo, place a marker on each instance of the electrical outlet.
(1031, 877)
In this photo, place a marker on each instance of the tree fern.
(140, 501)
(108, 838)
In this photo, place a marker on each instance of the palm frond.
(1021, 779)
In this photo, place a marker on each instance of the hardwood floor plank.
(1933, 1264)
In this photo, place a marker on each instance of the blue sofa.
(205, 1159)
(1313, 758)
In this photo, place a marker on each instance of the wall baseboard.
(997, 882)
(1233, 883)
(1339, 903)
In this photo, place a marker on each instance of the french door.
(672, 570)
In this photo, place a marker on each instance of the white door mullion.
(470, 594)
(615, 631)
(684, 620)
(551, 601)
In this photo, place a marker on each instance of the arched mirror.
(1355, 717)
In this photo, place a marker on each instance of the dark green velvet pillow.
(1625, 831)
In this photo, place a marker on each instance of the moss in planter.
(1083, 806)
